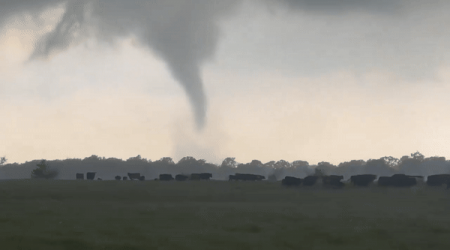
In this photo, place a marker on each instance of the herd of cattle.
(364, 180)
(178, 177)
(138, 176)
(397, 180)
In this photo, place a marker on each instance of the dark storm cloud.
(10, 8)
(341, 5)
(183, 33)
(405, 38)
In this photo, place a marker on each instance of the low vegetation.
(43, 171)
(56, 214)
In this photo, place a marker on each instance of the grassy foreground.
(219, 215)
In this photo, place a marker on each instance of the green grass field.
(219, 215)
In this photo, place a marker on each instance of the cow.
(124, 178)
(246, 177)
(165, 177)
(80, 176)
(333, 180)
(90, 175)
(397, 180)
(291, 181)
(249, 177)
(99, 179)
(260, 177)
(181, 177)
(438, 180)
(402, 180)
(310, 180)
(362, 180)
(142, 178)
(118, 178)
(202, 176)
(134, 176)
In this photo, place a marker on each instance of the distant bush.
(43, 171)
(2, 160)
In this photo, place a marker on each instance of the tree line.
(108, 168)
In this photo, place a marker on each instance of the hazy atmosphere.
(224, 124)
(310, 80)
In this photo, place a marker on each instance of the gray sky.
(268, 80)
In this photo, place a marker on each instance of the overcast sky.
(314, 80)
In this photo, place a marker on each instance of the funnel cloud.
(183, 33)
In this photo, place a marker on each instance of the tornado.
(184, 34)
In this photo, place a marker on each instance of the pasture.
(40, 214)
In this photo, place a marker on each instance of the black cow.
(402, 180)
(124, 178)
(255, 177)
(291, 181)
(118, 178)
(438, 180)
(80, 176)
(260, 177)
(310, 180)
(99, 179)
(134, 176)
(142, 178)
(181, 177)
(237, 177)
(397, 180)
(165, 177)
(202, 176)
(333, 180)
(90, 175)
(362, 180)
(249, 177)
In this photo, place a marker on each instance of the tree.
(137, 159)
(3, 160)
(412, 165)
(418, 156)
(190, 163)
(299, 164)
(282, 164)
(229, 162)
(325, 167)
(167, 161)
(43, 171)
(378, 167)
(270, 164)
(392, 162)
(92, 158)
